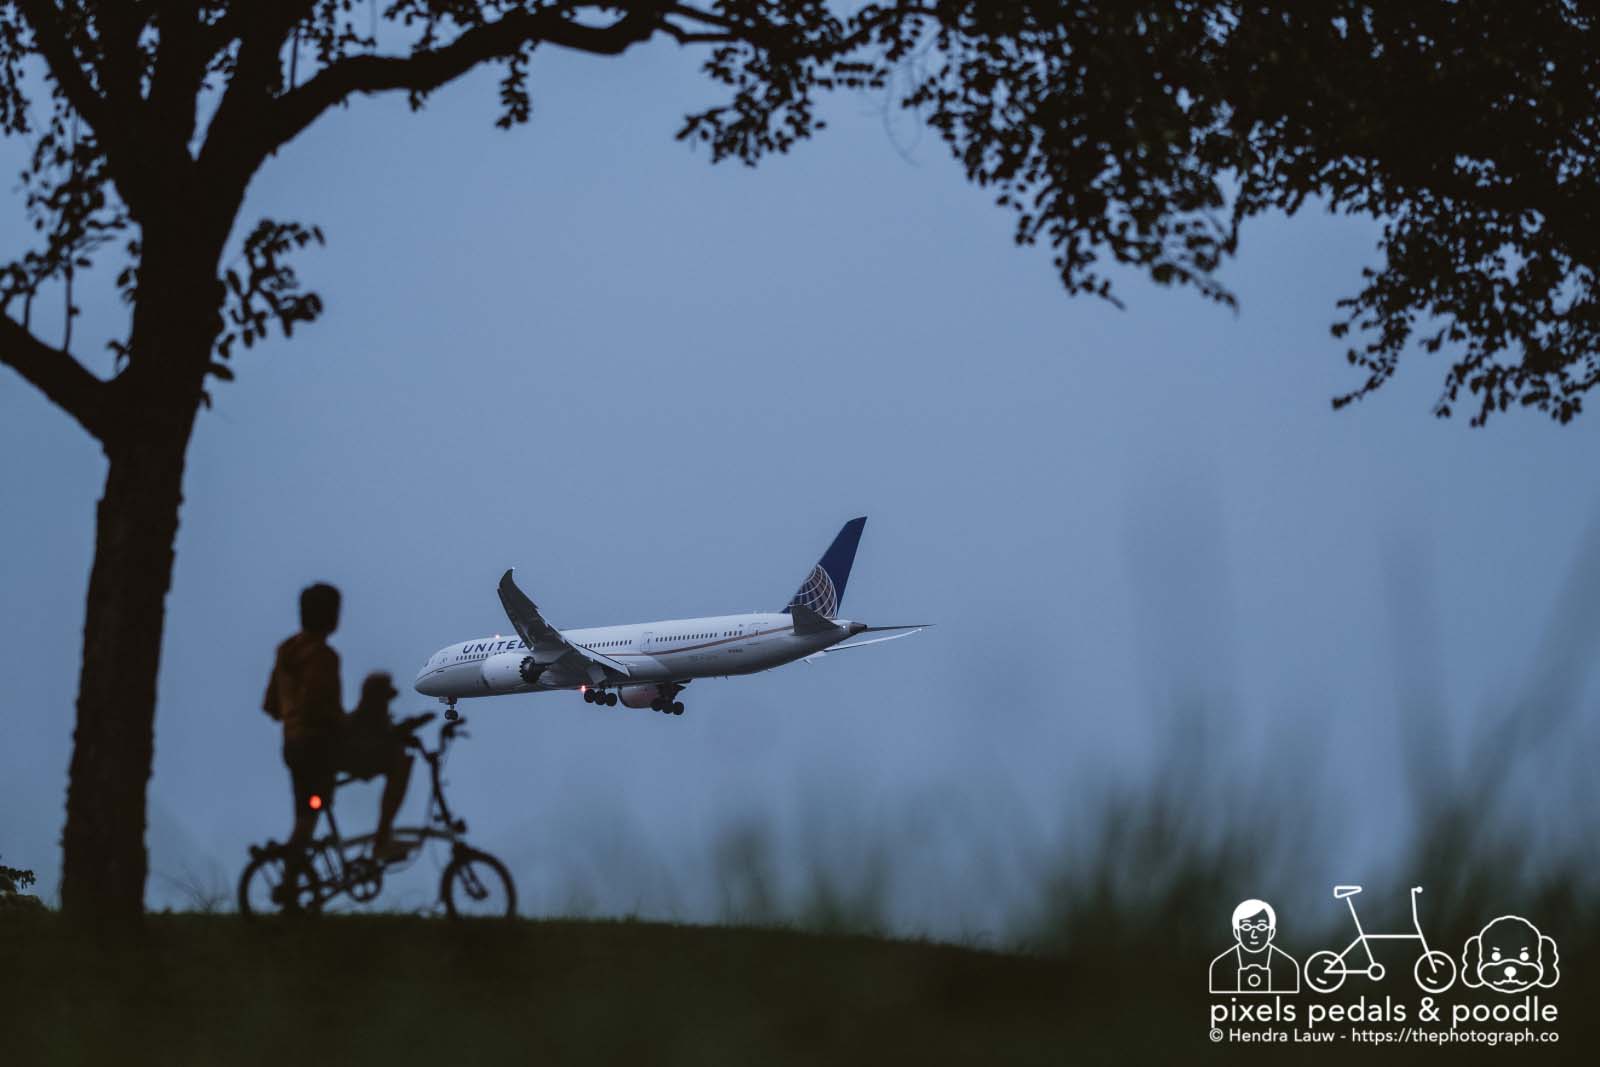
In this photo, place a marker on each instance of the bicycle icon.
(1326, 971)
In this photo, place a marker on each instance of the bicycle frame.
(473, 884)
(1326, 970)
(1374, 969)
(336, 871)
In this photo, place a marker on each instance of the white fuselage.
(673, 650)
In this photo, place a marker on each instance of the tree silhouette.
(14, 879)
(1140, 132)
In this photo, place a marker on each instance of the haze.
(656, 388)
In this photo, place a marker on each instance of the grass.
(196, 989)
(216, 989)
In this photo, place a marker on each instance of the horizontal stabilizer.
(807, 621)
(862, 644)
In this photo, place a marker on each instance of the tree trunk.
(175, 323)
(104, 863)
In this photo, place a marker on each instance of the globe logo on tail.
(818, 593)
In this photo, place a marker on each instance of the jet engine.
(639, 696)
(510, 671)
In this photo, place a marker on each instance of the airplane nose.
(421, 684)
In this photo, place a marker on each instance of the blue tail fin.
(823, 589)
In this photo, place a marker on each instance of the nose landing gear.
(450, 712)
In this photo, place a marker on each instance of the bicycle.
(1326, 970)
(474, 883)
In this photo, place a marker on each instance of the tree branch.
(62, 379)
(45, 19)
(426, 71)
(178, 71)
(683, 36)
(120, 28)
(228, 156)
(113, 127)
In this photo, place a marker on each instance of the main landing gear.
(668, 700)
(665, 701)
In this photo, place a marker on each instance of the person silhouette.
(304, 693)
(1254, 964)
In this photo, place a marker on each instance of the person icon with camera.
(1254, 964)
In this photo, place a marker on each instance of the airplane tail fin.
(823, 589)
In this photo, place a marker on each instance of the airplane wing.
(549, 647)
(862, 644)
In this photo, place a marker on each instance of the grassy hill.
(194, 989)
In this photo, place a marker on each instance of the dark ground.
(198, 989)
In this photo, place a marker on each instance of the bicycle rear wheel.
(258, 885)
(476, 885)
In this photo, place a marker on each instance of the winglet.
(539, 635)
(524, 616)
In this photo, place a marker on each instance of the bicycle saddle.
(1342, 891)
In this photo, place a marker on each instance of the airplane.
(648, 664)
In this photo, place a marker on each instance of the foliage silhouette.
(1143, 132)
(14, 879)
(13, 882)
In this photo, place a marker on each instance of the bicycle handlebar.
(411, 724)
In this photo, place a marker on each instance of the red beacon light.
(316, 802)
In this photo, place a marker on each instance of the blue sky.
(656, 388)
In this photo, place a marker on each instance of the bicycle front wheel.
(477, 886)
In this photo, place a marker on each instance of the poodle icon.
(1326, 971)
(1510, 955)
(1254, 964)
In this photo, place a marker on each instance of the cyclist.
(305, 694)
